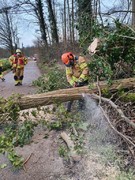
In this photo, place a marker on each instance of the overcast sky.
(27, 34)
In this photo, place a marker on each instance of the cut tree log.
(64, 95)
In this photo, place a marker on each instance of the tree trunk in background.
(96, 7)
(69, 21)
(65, 25)
(53, 24)
(9, 32)
(85, 22)
(73, 36)
(42, 24)
(133, 13)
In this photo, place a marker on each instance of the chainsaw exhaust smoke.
(99, 131)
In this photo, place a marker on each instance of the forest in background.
(71, 25)
(60, 25)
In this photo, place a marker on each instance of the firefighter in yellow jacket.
(1, 72)
(18, 61)
(77, 72)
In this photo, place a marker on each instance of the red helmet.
(66, 57)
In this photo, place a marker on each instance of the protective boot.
(17, 83)
(20, 82)
(69, 106)
(81, 105)
(3, 79)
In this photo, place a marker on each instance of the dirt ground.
(44, 162)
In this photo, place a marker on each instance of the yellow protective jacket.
(18, 62)
(79, 72)
(1, 70)
(1, 64)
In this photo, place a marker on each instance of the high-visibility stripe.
(71, 82)
(68, 71)
(84, 77)
(20, 81)
(83, 65)
(16, 81)
(74, 79)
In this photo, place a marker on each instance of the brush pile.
(122, 120)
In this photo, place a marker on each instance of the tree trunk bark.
(65, 25)
(63, 95)
(52, 20)
(133, 13)
(40, 16)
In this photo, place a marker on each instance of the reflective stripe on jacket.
(79, 72)
(1, 64)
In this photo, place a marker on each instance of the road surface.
(31, 73)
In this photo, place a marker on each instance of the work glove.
(79, 84)
(13, 69)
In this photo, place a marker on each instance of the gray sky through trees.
(27, 30)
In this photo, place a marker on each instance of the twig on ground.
(99, 90)
(74, 131)
(27, 158)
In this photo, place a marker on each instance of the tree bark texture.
(40, 16)
(64, 95)
(53, 24)
(133, 13)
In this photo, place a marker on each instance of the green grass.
(6, 64)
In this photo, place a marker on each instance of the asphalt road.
(31, 73)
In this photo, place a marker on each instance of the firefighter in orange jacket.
(18, 61)
(77, 72)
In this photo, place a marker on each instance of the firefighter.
(77, 73)
(18, 61)
(1, 72)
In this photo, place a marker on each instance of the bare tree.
(35, 8)
(69, 21)
(8, 32)
(73, 36)
(52, 20)
(119, 10)
(133, 13)
(65, 23)
(40, 15)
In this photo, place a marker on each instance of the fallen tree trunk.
(64, 95)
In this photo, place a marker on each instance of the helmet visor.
(70, 63)
(18, 53)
